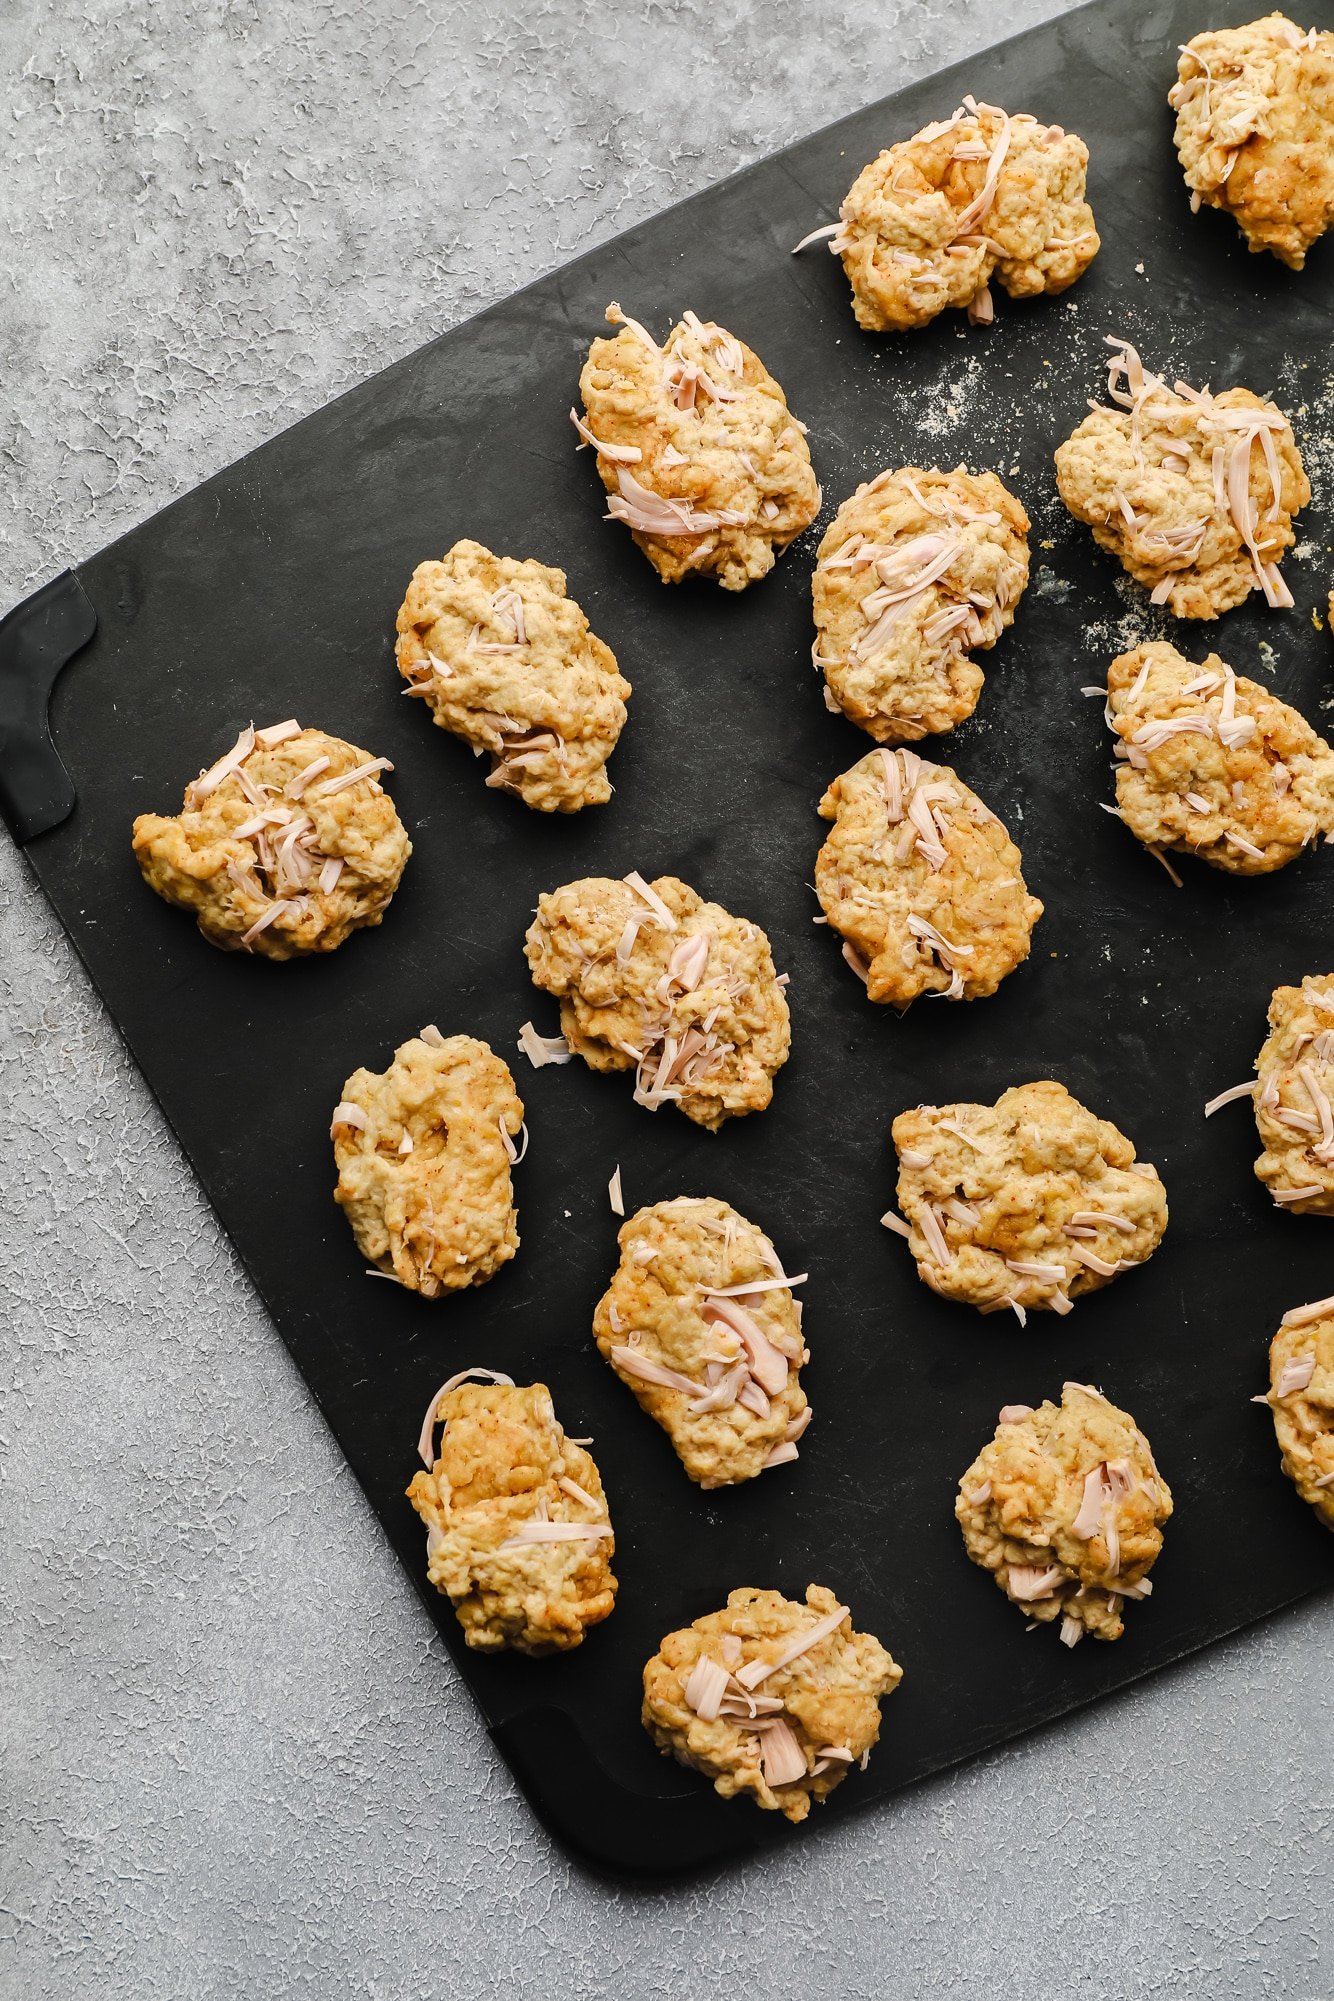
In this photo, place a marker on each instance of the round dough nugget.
(517, 1530)
(915, 570)
(1293, 1095)
(765, 1699)
(929, 223)
(696, 446)
(1301, 1396)
(650, 978)
(1194, 493)
(1212, 764)
(285, 846)
(424, 1151)
(922, 882)
(699, 1321)
(504, 659)
(1255, 130)
(1025, 1203)
(1065, 1507)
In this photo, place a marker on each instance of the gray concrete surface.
(235, 1760)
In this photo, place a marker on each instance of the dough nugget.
(696, 446)
(1025, 1203)
(915, 571)
(504, 659)
(285, 846)
(1212, 764)
(650, 978)
(769, 1697)
(1294, 1098)
(517, 1531)
(424, 1151)
(929, 223)
(922, 882)
(1065, 1508)
(1255, 130)
(700, 1322)
(1194, 493)
(1301, 1397)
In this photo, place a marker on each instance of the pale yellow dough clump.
(1212, 764)
(1301, 1397)
(504, 659)
(1255, 130)
(922, 882)
(918, 569)
(655, 980)
(716, 1366)
(787, 1734)
(1025, 1203)
(279, 849)
(1194, 493)
(1294, 1096)
(1065, 1508)
(698, 450)
(424, 1151)
(504, 1475)
(932, 220)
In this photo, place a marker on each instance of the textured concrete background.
(235, 1760)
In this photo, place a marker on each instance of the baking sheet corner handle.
(37, 638)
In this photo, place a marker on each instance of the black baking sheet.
(272, 591)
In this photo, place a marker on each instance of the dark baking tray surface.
(272, 591)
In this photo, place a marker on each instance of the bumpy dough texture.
(709, 469)
(261, 890)
(1304, 1417)
(830, 1696)
(662, 1311)
(928, 224)
(505, 660)
(439, 1216)
(1065, 1508)
(1179, 487)
(695, 1009)
(1293, 1093)
(1039, 1182)
(1239, 779)
(1255, 130)
(918, 568)
(922, 881)
(502, 1458)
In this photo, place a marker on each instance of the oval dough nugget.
(518, 1536)
(921, 881)
(505, 659)
(1301, 1398)
(284, 847)
(1025, 1203)
(1065, 1508)
(699, 1321)
(1294, 1113)
(424, 1151)
(769, 1697)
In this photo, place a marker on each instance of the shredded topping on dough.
(1294, 1375)
(425, 1447)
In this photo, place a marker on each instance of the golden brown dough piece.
(1211, 764)
(695, 444)
(424, 1151)
(284, 847)
(504, 659)
(1194, 493)
(699, 1321)
(1293, 1097)
(921, 881)
(916, 570)
(650, 978)
(1065, 1508)
(517, 1530)
(1025, 1203)
(932, 220)
(1301, 1398)
(766, 1699)
(1255, 130)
